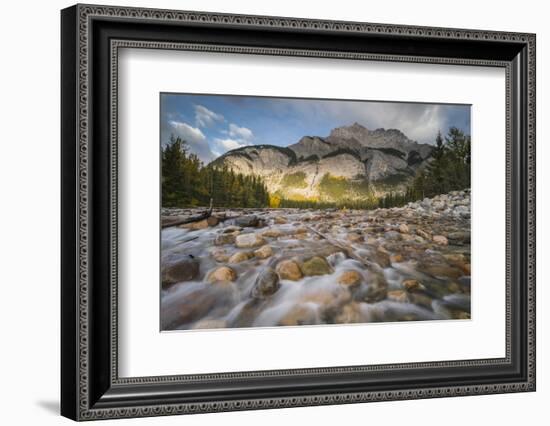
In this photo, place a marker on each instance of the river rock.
(404, 228)
(249, 240)
(440, 239)
(247, 221)
(289, 270)
(210, 324)
(350, 313)
(266, 284)
(222, 239)
(441, 270)
(396, 258)
(219, 255)
(400, 296)
(279, 220)
(264, 252)
(212, 221)
(223, 273)
(316, 266)
(239, 257)
(354, 237)
(232, 229)
(423, 234)
(459, 237)
(300, 315)
(272, 233)
(350, 278)
(184, 270)
(412, 285)
(381, 256)
(377, 289)
(393, 235)
(194, 226)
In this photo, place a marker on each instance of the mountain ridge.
(350, 153)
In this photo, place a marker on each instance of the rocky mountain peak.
(354, 131)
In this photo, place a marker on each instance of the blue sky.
(215, 124)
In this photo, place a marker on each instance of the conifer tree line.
(186, 182)
(448, 170)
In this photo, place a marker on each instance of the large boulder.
(185, 270)
(223, 273)
(316, 266)
(263, 252)
(249, 241)
(266, 284)
(289, 270)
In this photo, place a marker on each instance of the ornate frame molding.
(87, 407)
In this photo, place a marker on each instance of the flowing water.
(369, 266)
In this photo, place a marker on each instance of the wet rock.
(392, 235)
(223, 239)
(457, 301)
(185, 270)
(239, 257)
(329, 300)
(412, 285)
(289, 270)
(266, 284)
(194, 226)
(247, 221)
(377, 289)
(440, 239)
(440, 270)
(354, 237)
(210, 324)
(231, 229)
(272, 233)
(423, 234)
(400, 296)
(300, 315)
(381, 256)
(264, 252)
(212, 221)
(459, 237)
(279, 220)
(219, 255)
(350, 278)
(350, 313)
(404, 228)
(199, 304)
(223, 273)
(249, 240)
(396, 258)
(316, 266)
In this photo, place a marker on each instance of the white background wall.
(29, 225)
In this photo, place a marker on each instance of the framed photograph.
(263, 212)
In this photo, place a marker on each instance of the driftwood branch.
(348, 250)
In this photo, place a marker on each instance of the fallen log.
(167, 223)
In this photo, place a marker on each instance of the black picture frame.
(90, 386)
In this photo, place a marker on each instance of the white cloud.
(194, 137)
(240, 133)
(419, 122)
(228, 144)
(185, 131)
(205, 117)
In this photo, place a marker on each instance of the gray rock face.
(351, 152)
